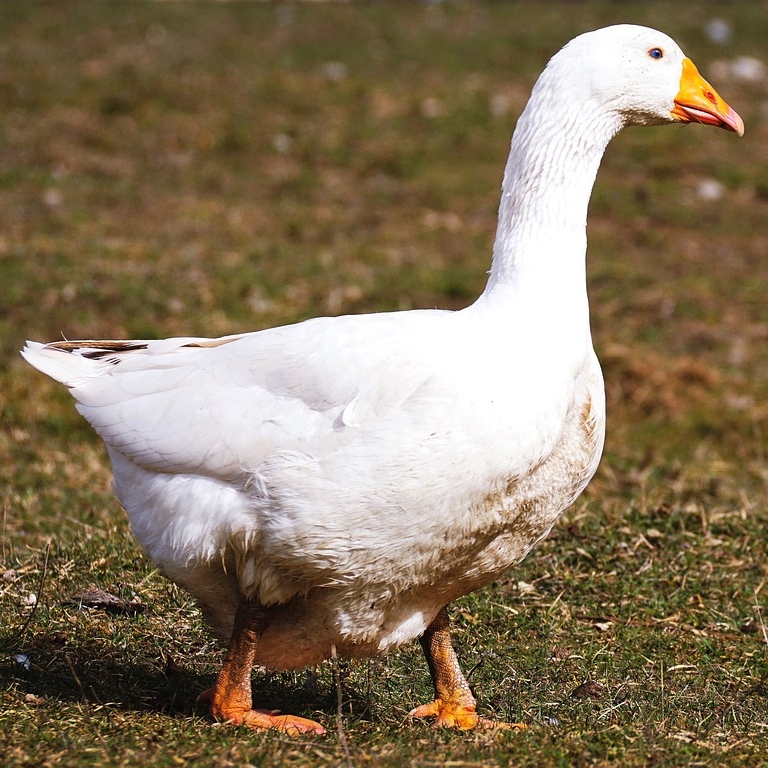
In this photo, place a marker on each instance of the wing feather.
(222, 406)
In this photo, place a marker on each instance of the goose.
(328, 488)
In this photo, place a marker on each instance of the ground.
(206, 168)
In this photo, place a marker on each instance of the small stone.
(105, 601)
(719, 31)
(748, 69)
(710, 189)
(589, 690)
(335, 71)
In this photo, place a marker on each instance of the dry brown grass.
(204, 168)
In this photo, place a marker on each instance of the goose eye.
(656, 53)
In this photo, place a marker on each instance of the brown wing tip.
(98, 349)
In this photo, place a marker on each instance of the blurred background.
(201, 168)
(204, 168)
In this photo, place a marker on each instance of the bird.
(327, 488)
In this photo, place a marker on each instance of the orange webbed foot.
(448, 714)
(271, 720)
(258, 719)
(462, 716)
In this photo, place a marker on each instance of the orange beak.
(699, 102)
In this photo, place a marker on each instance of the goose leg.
(454, 704)
(230, 697)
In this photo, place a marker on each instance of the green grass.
(196, 168)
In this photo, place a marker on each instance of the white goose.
(332, 486)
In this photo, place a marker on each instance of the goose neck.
(554, 159)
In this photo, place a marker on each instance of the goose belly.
(522, 512)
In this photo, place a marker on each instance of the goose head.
(638, 76)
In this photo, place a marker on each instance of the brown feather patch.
(99, 348)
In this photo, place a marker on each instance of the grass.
(196, 168)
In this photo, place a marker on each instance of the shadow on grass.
(50, 666)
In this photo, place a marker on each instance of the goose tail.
(74, 362)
